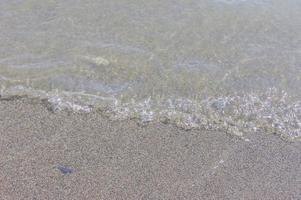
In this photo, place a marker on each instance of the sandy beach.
(64, 155)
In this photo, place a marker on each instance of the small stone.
(64, 169)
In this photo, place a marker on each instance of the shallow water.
(231, 65)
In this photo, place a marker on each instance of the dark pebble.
(65, 170)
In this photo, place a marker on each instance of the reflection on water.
(202, 64)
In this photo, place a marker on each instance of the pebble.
(65, 170)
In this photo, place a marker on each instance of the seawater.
(230, 65)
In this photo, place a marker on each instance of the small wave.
(270, 112)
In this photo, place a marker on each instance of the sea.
(228, 65)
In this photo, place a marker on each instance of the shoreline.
(106, 159)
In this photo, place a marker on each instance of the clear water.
(231, 65)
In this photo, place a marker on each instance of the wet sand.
(63, 155)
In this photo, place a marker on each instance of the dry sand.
(121, 160)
